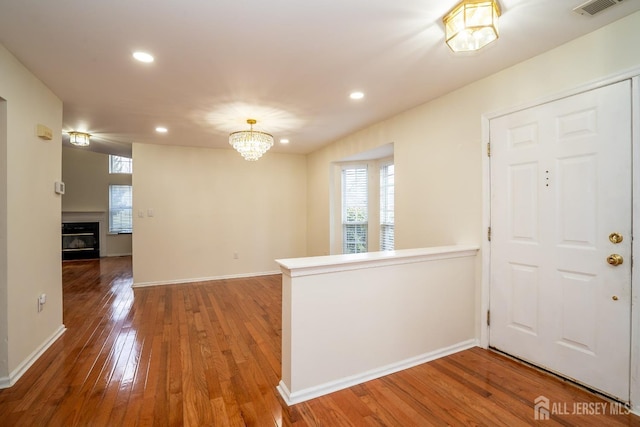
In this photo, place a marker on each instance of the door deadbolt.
(615, 237)
(614, 259)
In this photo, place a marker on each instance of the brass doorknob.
(615, 237)
(615, 298)
(614, 259)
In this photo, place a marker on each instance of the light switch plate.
(59, 187)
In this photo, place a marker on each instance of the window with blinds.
(120, 209)
(386, 207)
(355, 215)
(118, 164)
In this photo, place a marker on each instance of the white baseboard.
(203, 279)
(6, 382)
(116, 255)
(332, 386)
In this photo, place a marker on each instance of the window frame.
(122, 209)
(335, 198)
(359, 229)
(387, 222)
(127, 169)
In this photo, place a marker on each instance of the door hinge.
(488, 149)
(488, 317)
(489, 233)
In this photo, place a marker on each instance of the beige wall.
(439, 150)
(4, 285)
(437, 146)
(209, 204)
(87, 178)
(29, 217)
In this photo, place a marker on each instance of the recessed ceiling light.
(356, 95)
(143, 56)
(161, 129)
(284, 141)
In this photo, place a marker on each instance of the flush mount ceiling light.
(251, 144)
(471, 25)
(81, 139)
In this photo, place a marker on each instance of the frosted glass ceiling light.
(81, 139)
(251, 144)
(471, 25)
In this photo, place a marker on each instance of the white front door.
(560, 197)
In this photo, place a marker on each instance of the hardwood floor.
(208, 354)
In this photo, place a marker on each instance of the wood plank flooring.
(208, 354)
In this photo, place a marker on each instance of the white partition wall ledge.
(347, 319)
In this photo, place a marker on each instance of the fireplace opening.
(80, 240)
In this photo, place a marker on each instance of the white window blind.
(387, 219)
(354, 210)
(118, 164)
(120, 209)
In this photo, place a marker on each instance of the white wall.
(347, 319)
(437, 146)
(30, 216)
(209, 204)
(438, 149)
(87, 178)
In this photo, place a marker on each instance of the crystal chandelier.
(81, 139)
(251, 144)
(471, 25)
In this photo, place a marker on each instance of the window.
(119, 164)
(120, 209)
(386, 207)
(362, 205)
(354, 210)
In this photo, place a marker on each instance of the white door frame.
(634, 75)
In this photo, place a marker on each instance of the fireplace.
(80, 240)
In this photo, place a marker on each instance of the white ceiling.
(289, 64)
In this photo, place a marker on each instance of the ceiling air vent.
(594, 6)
